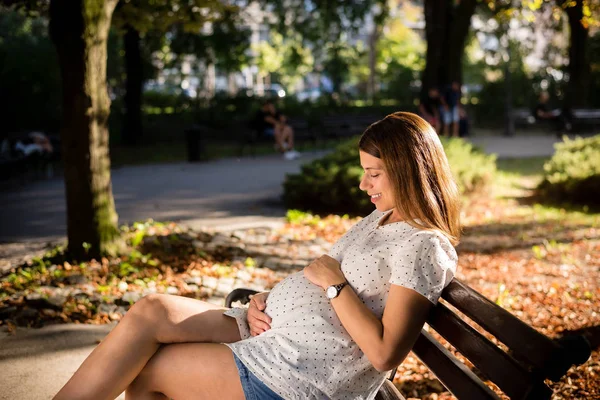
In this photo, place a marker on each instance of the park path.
(227, 193)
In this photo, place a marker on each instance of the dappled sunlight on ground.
(540, 263)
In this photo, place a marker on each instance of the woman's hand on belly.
(324, 272)
(258, 321)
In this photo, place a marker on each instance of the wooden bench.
(523, 117)
(345, 126)
(518, 372)
(582, 119)
(586, 119)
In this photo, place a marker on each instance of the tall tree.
(579, 67)
(447, 25)
(79, 30)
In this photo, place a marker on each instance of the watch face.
(331, 292)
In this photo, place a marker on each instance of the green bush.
(573, 174)
(330, 184)
(472, 168)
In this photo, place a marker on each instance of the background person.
(450, 112)
(543, 112)
(274, 124)
(429, 108)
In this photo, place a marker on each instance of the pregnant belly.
(304, 325)
(295, 301)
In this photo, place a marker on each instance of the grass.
(530, 166)
(518, 177)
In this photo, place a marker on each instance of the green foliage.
(472, 168)
(161, 15)
(572, 175)
(301, 217)
(284, 57)
(400, 59)
(330, 184)
(321, 21)
(29, 74)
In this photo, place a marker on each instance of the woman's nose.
(363, 184)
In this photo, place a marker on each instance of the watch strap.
(338, 288)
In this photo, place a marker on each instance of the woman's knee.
(150, 310)
(149, 305)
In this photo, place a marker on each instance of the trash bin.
(195, 150)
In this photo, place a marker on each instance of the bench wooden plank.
(585, 113)
(525, 342)
(492, 362)
(453, 374)
(388, 391)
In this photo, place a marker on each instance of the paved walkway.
(218, 192)
(225, 193)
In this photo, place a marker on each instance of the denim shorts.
(269, 132)
(449, 116)
(253, 388)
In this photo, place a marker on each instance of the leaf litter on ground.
(541, 264)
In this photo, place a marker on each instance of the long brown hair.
(426, 194)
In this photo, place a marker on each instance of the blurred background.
(171, 66)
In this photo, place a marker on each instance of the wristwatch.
(333, 291)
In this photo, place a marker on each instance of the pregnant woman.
(331, 331)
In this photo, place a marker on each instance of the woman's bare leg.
(152, 321)
(188, 371)
(279, 141)
(288, 136)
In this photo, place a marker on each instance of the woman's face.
(376, 182)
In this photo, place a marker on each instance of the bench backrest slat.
(453, 374)
(586, 113)
(493, 362)
(526, 343)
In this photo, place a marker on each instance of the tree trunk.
(79, 30)
(579, 68)
(509, 123)
(446, 30)
(458, 32)
(132, 129)
(436, 20)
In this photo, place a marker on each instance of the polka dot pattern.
(307, 353)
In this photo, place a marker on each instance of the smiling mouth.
(376, 196)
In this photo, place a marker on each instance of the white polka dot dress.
(307, 353)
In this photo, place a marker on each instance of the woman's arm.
(387, 342)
